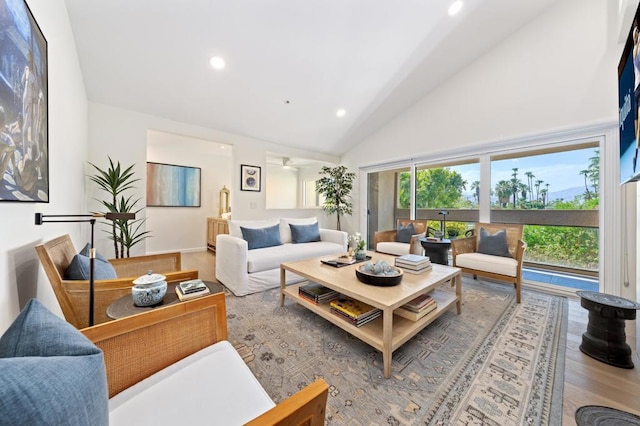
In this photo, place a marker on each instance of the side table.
(438, 251)
(605, 338)
(123, 307)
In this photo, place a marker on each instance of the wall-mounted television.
(628, 104)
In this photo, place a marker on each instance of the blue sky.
(560, 170)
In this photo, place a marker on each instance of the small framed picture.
(249, 178)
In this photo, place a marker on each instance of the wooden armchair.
(73, 296)
(386, 241)
(139, 346)
(509, 269)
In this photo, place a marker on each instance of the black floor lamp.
(81, 218)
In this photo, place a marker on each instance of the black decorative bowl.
(386, 280)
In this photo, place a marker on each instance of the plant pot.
(361, 254)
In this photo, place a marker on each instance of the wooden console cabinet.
(215, 226)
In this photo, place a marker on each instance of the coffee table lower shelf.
(372, 332)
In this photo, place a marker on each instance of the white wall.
(122, 135)
(187, 225)
(21, 277)
(281, 187)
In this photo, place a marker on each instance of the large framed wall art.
(170, 185)
(24, 123)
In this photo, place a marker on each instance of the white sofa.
(245, 271)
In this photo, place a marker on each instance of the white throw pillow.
(234, 225)
(285, 230)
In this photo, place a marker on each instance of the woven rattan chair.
(385, 241)
(509, 269)
(138, 346)
(73, 296)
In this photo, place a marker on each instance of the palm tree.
(543, 192)
(524, 190)
(538, 183)
(503, 192)
(530, 177)
(594, 171)
(546, 193)
(475, 187)
(586, 173)
(515, 184)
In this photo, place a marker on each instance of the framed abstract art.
(169, 185)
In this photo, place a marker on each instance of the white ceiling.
(373, 58)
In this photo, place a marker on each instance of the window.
(555, 194)
(551, 188)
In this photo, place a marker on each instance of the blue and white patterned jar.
(148, 290)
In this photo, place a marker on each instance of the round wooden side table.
(123, 307)
(605, 338)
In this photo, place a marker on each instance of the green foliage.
(336, 186)
(435, 188)
(562, 246)
(115, 181)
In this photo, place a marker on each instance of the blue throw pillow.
(261, 237)
(86, 252)
(50, 373)
(78, 269)
(404, 233)
(305, 233)
(493, 244)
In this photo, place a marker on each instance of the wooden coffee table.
(390, 331)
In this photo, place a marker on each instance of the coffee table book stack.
(192, 289)
(316, 293)
(418, 307)
(413, 263)
(354, 311)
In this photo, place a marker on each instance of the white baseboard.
(189, 250)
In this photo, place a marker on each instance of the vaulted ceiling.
(290, 64)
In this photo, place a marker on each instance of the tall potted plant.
(336, 186)
(115, 181)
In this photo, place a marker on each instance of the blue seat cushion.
(404, 233)
(261, 237)
(79, 268)
(493, 244)
(50, 373)
(305, 233)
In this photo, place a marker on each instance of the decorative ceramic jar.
(148, 290)
(361, 255)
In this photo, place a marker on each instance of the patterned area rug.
(498, 363)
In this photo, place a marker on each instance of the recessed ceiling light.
(455, 7)
(340, 112)
(217, 62)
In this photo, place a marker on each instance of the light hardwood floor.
(586, 381)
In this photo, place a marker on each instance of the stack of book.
(354, 311)
(418, 307)
(187, 290)
(413, 263)
(316, 293)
